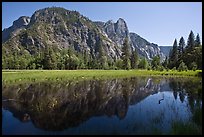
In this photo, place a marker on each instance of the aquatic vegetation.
(180, 128)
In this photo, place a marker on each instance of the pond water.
(137, 105)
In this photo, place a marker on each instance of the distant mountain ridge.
(165, 50)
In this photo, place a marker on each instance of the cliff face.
(61, 28)
(14, 30)
(165, 49)
(145, 48)
(118, 31)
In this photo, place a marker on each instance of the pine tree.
(102, 57)
(173, 58)
(46, 58)
(191, 41)
(134, 59)
(191, 53)
(181, 45)
(181, 50)
(49, 60)
(126, 54)
(155, 62)
(85, 58)
(53, 59)
(16, 63)
(197, 41)
(199, 57)
(165, 63)
(92, 59)
(143, 64)
(182, 66)
(193, 66)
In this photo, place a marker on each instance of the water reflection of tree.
(175, 95)
(192, 88)
(124, 102)
(61, 105)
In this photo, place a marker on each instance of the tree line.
(186, 56)
(181, 57)
(69, 59)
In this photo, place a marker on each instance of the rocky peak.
(121, 22)
(109, 27)
(49, 15)
(121, 27)
(117, 32)
(22, 21)
(110, 22)
(18, 25)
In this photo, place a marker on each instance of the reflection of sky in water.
(140, 117)
(156, 111)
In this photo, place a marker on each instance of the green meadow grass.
(23, 76)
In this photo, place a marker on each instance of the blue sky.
(157, 22)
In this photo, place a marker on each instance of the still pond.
(137, 105)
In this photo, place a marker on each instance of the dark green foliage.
(161, 68)
(156, 63)
(71, 61)
(126, 54)
(191, 55)
(174, 68)
(173, 55)
(198, 56)
(49, 60)
(143, 64)
(165, 63)
(197, 41)
(182, 67)
(134, 60)
(181, 46)
(85, 58)
(197, 116)
(193, 66)
(15, 59)
(119, 64)
(191, 41)
(193, 52)
(102, 59)
(180, 128)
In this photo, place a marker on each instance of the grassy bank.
(22, 76)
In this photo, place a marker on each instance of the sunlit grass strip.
(21, 76)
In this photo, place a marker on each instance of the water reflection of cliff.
(59, 106)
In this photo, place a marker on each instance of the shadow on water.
(121, 102)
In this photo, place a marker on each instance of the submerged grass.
(180, 128)
(23, 76)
